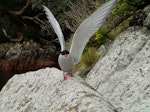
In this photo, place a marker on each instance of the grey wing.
(55, 26)
(87, 28)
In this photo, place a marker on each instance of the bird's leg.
(65, 78)
(71, 74)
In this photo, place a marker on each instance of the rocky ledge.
(44, 91)
(23, 57)
(122, 76)
(119, 82)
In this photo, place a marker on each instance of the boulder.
(122, 76)
(45, 91)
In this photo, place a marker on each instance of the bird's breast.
(66, 62)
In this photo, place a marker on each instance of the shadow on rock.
(28, 56)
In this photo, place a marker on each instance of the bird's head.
(65, 53)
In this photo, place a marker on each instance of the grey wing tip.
(45, 8)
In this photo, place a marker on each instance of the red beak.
(66, 55)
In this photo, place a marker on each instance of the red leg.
(65, 78)
(71, 74)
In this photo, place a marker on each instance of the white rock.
(123, 75)
(147, 9)
(146, 22)
(119, 81)
(43, 91)
(142, 106)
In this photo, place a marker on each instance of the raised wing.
(88, 27)
(55, 26)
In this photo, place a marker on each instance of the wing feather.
(55, 26)
(88, 27)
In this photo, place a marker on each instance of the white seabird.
(67, 59)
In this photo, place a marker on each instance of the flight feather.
(88, 27)
(55, 26)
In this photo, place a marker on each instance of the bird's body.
(66, 62)
(67, 59)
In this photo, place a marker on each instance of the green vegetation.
(19, 17)
(118, 21)
(88, 59)
(121, 27)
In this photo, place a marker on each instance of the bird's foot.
(65, 78)
(71, 75)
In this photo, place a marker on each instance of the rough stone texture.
(23, 57)
(122, 76)
(147, 10)
(26, 56)
(147, 21)
(119, 82)
(44, 91)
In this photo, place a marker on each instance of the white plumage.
(55, 26)
(83, 33)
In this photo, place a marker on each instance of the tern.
(67, 59)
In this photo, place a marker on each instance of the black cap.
(64, 52)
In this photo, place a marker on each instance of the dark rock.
(28, 56)
(138, 18)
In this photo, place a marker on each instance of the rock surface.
(23, 57)
(147, 10)
(122, 76)
(44, 91)
(119, 82)
(146, 22)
